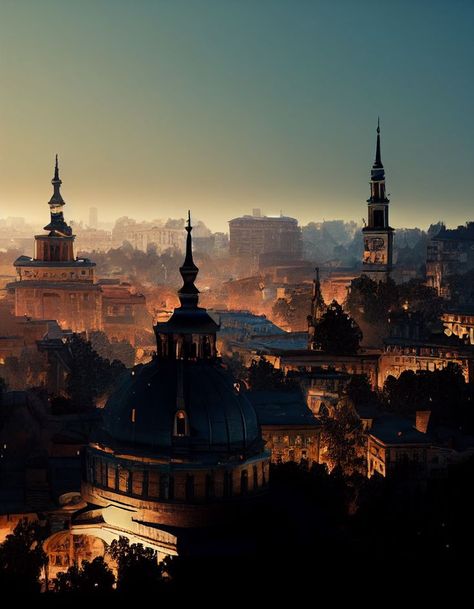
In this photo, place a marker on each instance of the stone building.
(289, 428)
(54, 284)
(450, 252)
(410, 346)
(180, 447)
(251, 236)
(57, 285)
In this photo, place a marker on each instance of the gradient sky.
(225, 105)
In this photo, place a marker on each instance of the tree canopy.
(337, 333)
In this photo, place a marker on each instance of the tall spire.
(378, 158)
(56, 204)
(189, 294)
(317, 302)
(56, 200)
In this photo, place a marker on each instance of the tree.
(91, 376)
(337, 333)
(263, 376)
(137, 566)
(342, 436)
(22, 558)
(444, 392)
(360, 392)
(92, 577)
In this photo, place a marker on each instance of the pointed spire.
(56, 200)
(188, 294)
(317, 302)
(378, 158)
(56, 172)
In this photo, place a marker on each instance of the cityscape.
(254, 390)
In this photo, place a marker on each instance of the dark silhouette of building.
(180, 447)
(378, 235)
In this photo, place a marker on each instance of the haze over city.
(156, 107)
(236, 299)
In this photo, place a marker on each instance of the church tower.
(56, 284)
(378, 234)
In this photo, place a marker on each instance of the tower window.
(181, 425)
(379, 218)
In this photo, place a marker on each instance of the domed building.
(180, 448)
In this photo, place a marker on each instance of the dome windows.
(181, 424)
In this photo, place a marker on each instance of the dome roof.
(141, 413)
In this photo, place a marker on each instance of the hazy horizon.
(156, 107)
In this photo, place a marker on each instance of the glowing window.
(181, 427)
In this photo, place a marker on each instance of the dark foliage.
(22, 558)
(263, 376)
(137, 567)
(444, 392)
(337, 333)
(91, 376)
(91, 578)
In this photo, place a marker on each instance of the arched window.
(181, 425)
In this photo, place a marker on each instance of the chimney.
(422, 420)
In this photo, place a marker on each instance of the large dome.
(220, 419)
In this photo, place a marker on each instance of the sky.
(222, 106)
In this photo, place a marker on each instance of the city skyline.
(222, 107)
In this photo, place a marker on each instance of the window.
(255, 477)
(181, 427)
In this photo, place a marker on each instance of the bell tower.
(378, 234)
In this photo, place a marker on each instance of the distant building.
(289, 428)
(146, 235)
(377, 234)
(450, 252)
(57, 285)
(93, 217)
(459, 321)
(252, 236)
(410, 346)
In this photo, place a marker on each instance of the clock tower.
(377, 233)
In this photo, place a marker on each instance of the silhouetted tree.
(91, 578)
(22, 558)
(263, 376)
(137, 566)
(336, 332)
(91, 376)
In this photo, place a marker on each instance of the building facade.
(450, 252)
(377, 233)
(55, 284)
(251, 236)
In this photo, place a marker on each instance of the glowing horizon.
(222, 107)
